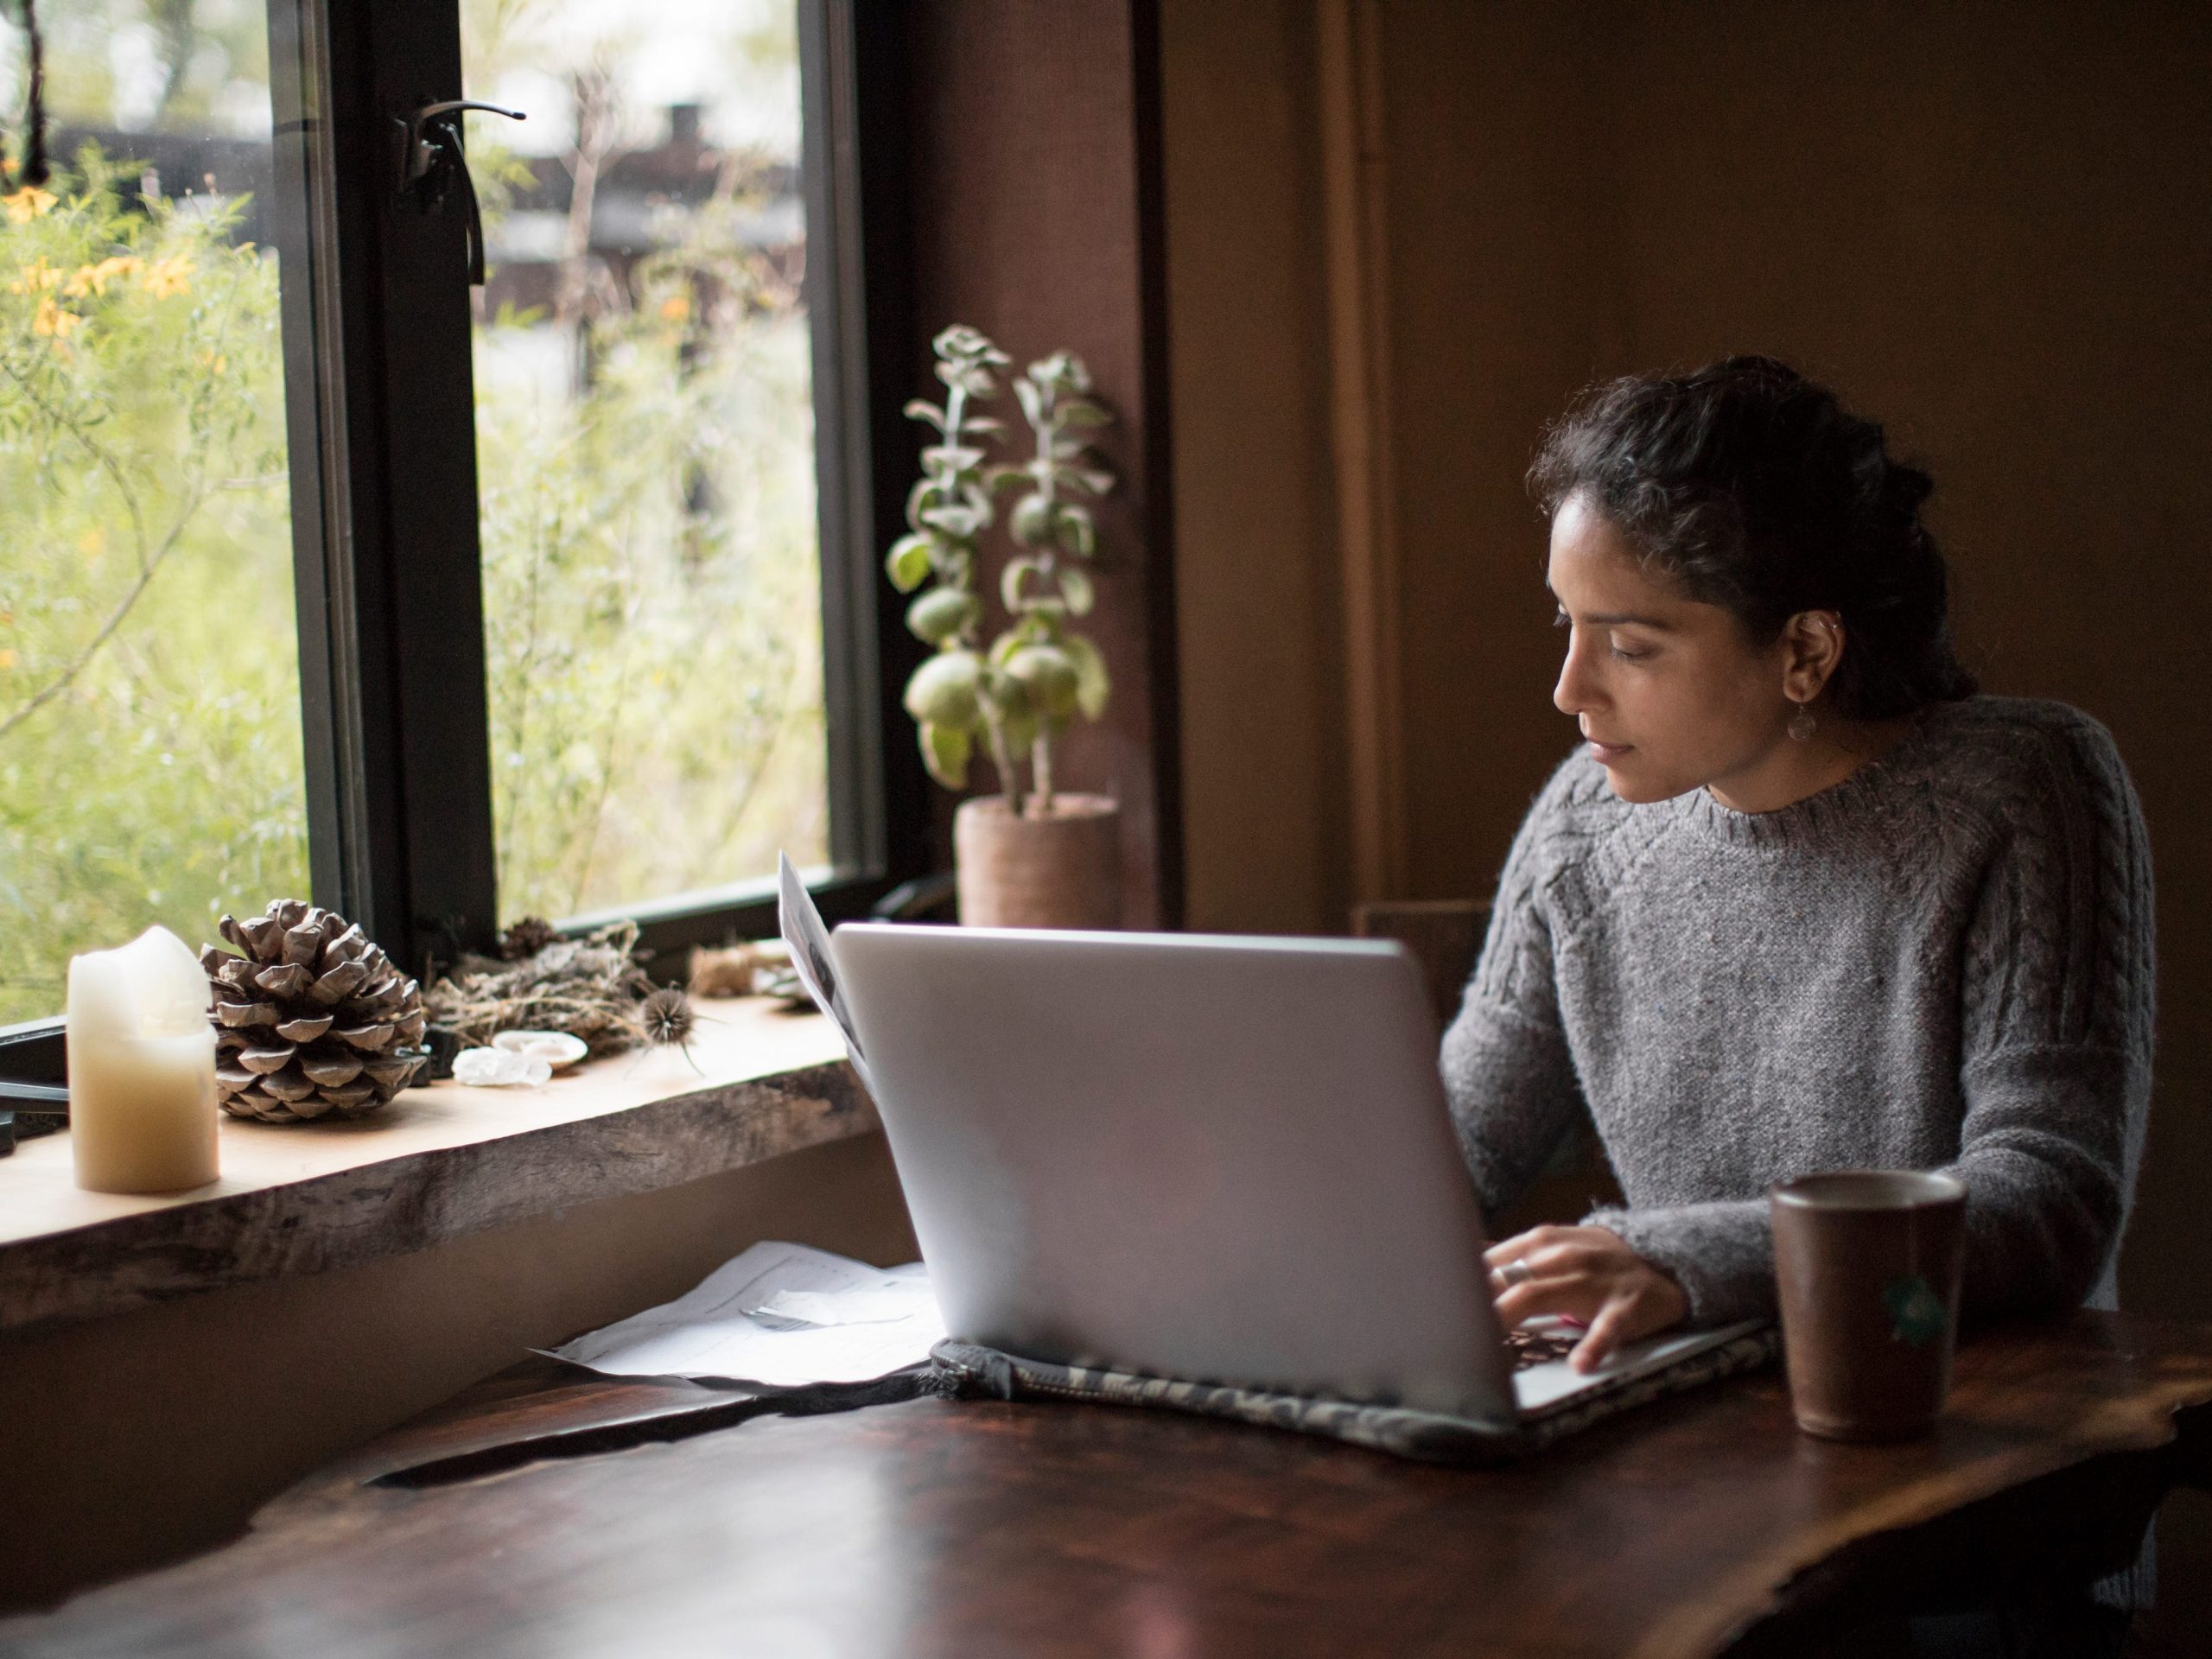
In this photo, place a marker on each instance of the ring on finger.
(1515, 1273)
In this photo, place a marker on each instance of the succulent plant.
(1019, 695)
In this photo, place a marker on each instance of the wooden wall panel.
(1259, 593)
(1034, 216)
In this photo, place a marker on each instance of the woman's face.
(1668, 692)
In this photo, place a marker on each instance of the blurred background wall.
(1399, 236)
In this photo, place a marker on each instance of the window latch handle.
(431, 161)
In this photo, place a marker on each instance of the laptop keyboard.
(1536, 1347)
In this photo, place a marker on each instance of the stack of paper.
(783, 1315)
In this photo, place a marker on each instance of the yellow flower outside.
(213, 362)
(55, 322)
(94, 279)
(169, 275)
(37, 278)
(675, 309)
(28, 204)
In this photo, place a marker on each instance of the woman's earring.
(1802, 725)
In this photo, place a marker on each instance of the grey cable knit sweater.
(1944, 961)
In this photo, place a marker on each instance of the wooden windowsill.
(440, 1161)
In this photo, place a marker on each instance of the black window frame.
(380, 417)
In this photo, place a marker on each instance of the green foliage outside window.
(150, 725)
(651, 590)
(653, 648)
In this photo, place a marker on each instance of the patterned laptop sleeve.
(964, 1371)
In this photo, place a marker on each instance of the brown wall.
(1256, 581)
(1988, 224)
(1033, 185)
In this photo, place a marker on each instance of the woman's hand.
(1586, 1273)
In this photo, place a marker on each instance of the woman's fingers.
(1551, 1260)
(1607, 1333)
(1536, 1238)
(1572, 1296)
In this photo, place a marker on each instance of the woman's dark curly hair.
(1754, 489)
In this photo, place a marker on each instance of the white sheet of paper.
(820, 1318)
(800, 924)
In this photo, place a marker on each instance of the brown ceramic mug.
(1867, 1263)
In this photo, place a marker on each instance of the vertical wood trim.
(1355, 225)
(1162, 667)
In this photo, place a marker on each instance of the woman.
(1802, 900)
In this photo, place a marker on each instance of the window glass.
(645, 450)
(150, 765)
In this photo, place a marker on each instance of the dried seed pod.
(666, 1017)
(526, 938)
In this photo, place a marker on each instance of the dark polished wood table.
(1702, 1524)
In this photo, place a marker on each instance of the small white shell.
(556, 1048)
(490, 1068)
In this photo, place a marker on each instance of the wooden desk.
(931, 1528)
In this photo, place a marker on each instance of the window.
(645, 453)
(553, 596)
(150, 765)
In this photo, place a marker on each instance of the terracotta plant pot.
(1061, 871)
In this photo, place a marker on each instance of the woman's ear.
(1812, 646)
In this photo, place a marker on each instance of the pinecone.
(526, 938)
(312, 1020)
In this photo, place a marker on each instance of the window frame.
(379, 401)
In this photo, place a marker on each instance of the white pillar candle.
(142, 1067)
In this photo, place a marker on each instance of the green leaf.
(1092, 686)
(1033, 410)
(927, 493)
(962, 342)
(1032, 519)
(1091, 478)
(944, 690)
(922, 409)
(1008, 698)
(946, 750)
(907, 564)
(1075, 587)
(1048, 673)
(960, 521)
(1075, 530)
(943, 613)
(1010, 579)
(1081, 412)
(1062, 370)
(951, 458)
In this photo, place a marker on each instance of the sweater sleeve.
(2057, 981)
(1507, 1071)
(2056, 1032)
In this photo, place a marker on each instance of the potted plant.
(1033, 856)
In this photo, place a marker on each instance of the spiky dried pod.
(665, 1017)
(311, 1020)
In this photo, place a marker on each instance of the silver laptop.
(1221, 1159)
